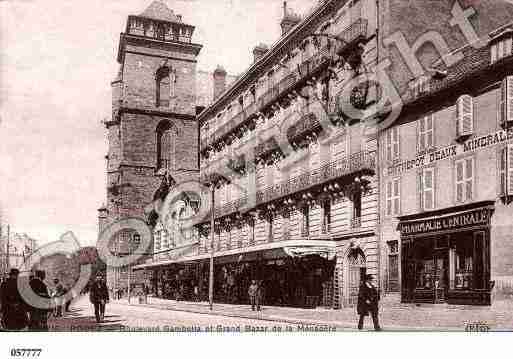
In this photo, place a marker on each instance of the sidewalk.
(393, 316)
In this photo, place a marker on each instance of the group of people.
(17, 314)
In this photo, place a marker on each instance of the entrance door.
(441, 276)
(355, 274)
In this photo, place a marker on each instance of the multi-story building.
(446, 175)
(300, 217)
(152, 135)
(293, 147)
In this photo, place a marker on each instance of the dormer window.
(502, 45)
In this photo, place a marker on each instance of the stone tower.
(153, 131)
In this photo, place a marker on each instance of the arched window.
(163, 87)
(165, 146)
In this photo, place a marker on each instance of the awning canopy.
(266, 251)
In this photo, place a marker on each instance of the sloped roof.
(158, 10)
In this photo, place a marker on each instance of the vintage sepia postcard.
(255, 166)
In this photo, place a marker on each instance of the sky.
(57, 59)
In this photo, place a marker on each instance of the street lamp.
(213, 181)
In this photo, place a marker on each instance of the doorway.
(356, 271)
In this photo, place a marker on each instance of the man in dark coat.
(39, 316)
(99, 297)
(368, 298)
(14, 308)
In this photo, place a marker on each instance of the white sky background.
(57, 59)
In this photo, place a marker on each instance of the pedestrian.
(58, 292)
(99, 297)
(14, 309)
(260, 295)
(253, 293)
(39, 314)
(368, 299)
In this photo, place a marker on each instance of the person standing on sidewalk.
(39, 316)
(253, 293)
(58, 292)
(99, 297)
(368, 299)
(14, 309)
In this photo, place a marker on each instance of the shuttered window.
(506, 170)
(427, 189)
(465, 116)
(425, 133)
(464, 180)
(393, 197)
(506, 103)
(392, 144)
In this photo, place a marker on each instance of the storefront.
(445, 255)
(296, 276)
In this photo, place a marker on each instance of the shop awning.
(265, 251)
(299, 252)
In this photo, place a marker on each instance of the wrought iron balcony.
(361, 162)
(296, 78)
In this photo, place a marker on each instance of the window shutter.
(509, 99)
(422, 134)
(465, 115)
(420, 186)
(397, 197)
(428, 187)
(509, 169)
(389, 145)
(459, 181)
(389, 198)
(396, 142)
(429, 130)
(469, 178)
(503, 171)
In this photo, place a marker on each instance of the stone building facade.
(153, 133)
(445, 209)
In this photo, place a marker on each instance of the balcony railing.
(358, 162)
(297, 77)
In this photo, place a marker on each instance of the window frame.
(393, 208)
(464, 181)
(393, 144)
(426, 133)
(423, 191)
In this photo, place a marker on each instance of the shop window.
(305, 227)
(326, 216)
(464, 117)
(506, 171)
(392, 144)
(425, 134)
(393, 196)
(468, 257)
(464, 180)
(427, 189)
(506, 102)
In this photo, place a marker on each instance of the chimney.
(219, 81)
(290, 19)
(259, 51)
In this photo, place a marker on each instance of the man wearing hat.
(368, 298)
(14, 309)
